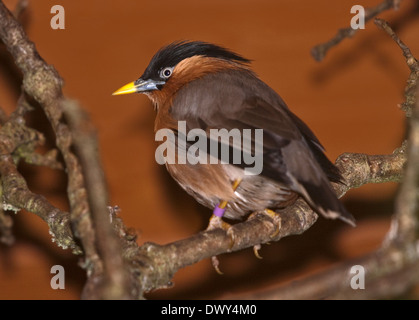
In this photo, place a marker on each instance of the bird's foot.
(276, 218)
(277, 222)
(216, 222)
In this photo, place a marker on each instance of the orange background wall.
(350, 100)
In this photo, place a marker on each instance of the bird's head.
(179, 63)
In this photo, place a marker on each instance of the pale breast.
(210, 184)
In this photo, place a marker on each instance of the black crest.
(175, 52)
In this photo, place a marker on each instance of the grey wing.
(292, 155)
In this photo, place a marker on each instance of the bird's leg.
(276, 218)
(216, 221)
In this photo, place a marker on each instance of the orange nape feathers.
(191, 69)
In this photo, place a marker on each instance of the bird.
(209, 87)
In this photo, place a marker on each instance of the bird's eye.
(166, 72)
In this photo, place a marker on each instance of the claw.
(216, 222)
(230, 233)
(274, 216)
(276, 219)
(216, 263)
(256, 249)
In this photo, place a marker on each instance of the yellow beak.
(139, 86)
(128, 88)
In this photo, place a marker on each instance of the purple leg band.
(218, 211)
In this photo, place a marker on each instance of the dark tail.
(323, 200)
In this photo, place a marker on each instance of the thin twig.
(320, 51)
(411, 61)
(410, 91)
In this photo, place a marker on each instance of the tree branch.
(42, 82)
(84, 136)
(160, 263)
(18, 141)
(320, 50)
